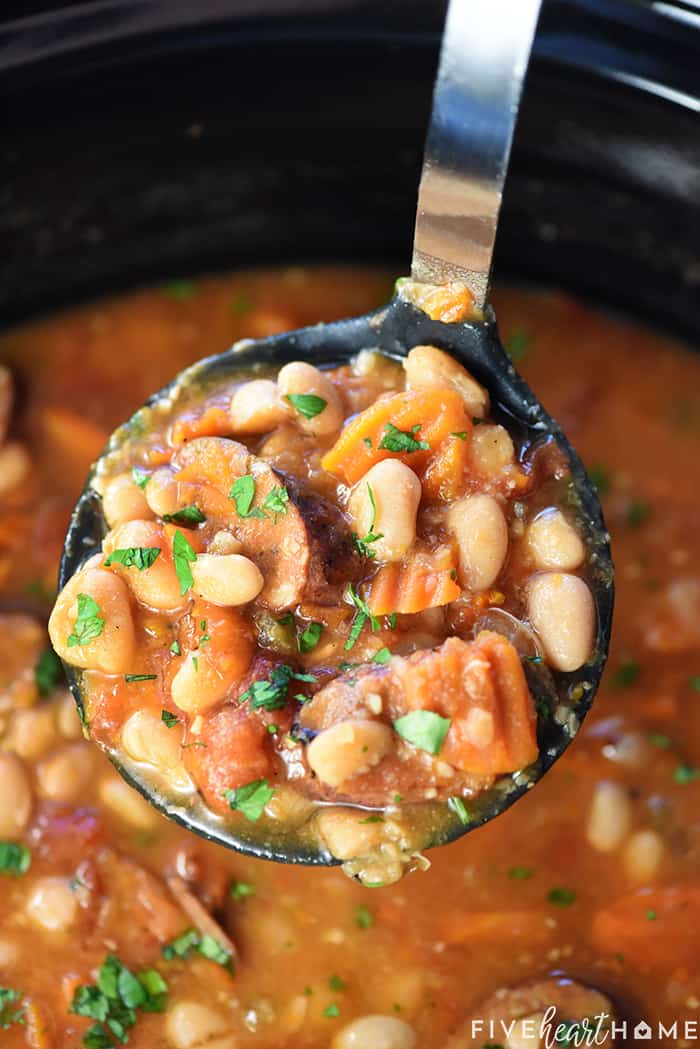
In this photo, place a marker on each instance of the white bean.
(479, 526)
(112, 649)
(396, 492)
(67, 719)
(375, 1032)
(348, 749)
(15, 466)
(15, 796)
(226, 579)
(492, 449)
(126, 803)
(53, 905)
(643, 856)
(554, 542)
(562, 614)
(145, 737)
(33, 731)
(257, 408)
(301, 378)
(123, 500)
(609, 817)
(158, 586)
(66, 775)
(345, 836)
(190, 1024)
(525, 1032)
(430, 368)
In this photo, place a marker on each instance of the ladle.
(484, 57)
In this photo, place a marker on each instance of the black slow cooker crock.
(145, 140)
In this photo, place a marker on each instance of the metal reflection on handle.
(485, 51)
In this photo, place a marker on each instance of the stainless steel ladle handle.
(483, 60)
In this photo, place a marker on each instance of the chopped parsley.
(241, 304)
(651, 915)
(242, 492)
(139, 477)
(518, 344)
(250, 800)
(271, 693)
(520, 873)
(10, 1015)
(311, 637)
(686, 774)
(240, 890)
(395, 440)
(363, 544)
(368, 442)
(175, 649)
(382, 656)
(139, 677)
(141, 557)
(636, 513)
(188, 515)
(694, 682)
(660, 740)
(600, 477)
(47, 672)
(332, 1010)
(374, 818)
(337, 983)
(457, 805)
(626, 675)
(461, 435)
(89, 624)
(170, 720)
(191, 940)
(307, 404)
(364, 919)
(423, 729)
(183, 556)
(15, 859)
(113, 1001)
(559, 897)
(180, 290)
(362, 616)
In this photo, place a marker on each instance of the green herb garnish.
(170, 720)
(175, 649)
(47, 672)
(636, 514)
(364, 919)
(240, 890)
(15, 859)
(362, 616)
(337, 983)
(600, 477)
(141, 557)
(190, 940)
(457, 805)
(561, 897)
(382, 656)
(332, 1010)
(113, 1001)
(395, 440)
(89, 623)
(311, 637)
(139, 477)
(180, 290)
(363, 544)
(188, 515)
(626, 675)
(520, 873)
(130, 678)
(307, 404)
(423, 729)
(518, 344)
(8, 1014)
(686, 774)
(183, 557)
(250, 800)
(271, 693)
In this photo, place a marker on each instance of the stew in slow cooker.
(117, 927)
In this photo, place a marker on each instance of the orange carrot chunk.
(653, 927)
(427, 416)
(481, 687)
(426, 580)
(213, 422)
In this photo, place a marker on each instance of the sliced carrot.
(477, 927)
(37, 1026)
(449, 303)
(436, 413)
(425, 581)
(214, 421)
(446, 472)
(655, 927)
(481, 687)
(71, 436)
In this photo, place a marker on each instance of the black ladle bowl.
(562, 699)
